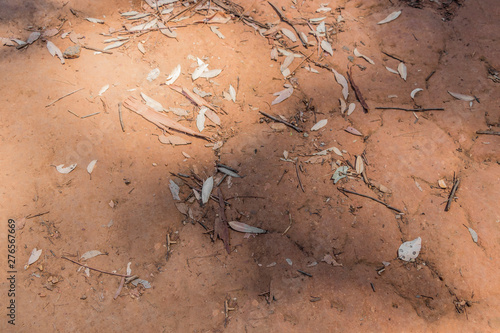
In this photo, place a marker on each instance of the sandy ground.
(329, 261)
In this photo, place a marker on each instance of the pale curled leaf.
(414, 92)
(33, 37)
(351, 109)
(359, 55)
(200, 119)
(391, 17)
(61, 169)
(461, 96)
(35, 255)
(103, 90)
(320, 124)
(174, 75)
(243, 227)
(289, 34)
(91, 166)
(473, 234)
(343, 105)
(228, 172)
(206, 190)
(393, 71)
(94, 20)
(152, 103)
(198, 71)
(115, 45)
(216, 31)
(336, 151)
(153, 75)
(360, 166)
(353, 131)
(174, 189)
(282, 95)
(402, 70)
(343, 82)
(232, 93)
(54, 50)
(287, 62)
(210, 73)
(327, 47)
(91, 254)
(141, 48)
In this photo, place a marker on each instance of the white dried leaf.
(337, 151)
(473, 234)
(286, 73)
(141, 48)
(461, 96)
(166, 31)
(178, 112)
(243, 227)
(129, 269)
(152, 103)
(152, 24)
(94, 20)
(174, 189)
(103, 90)
(186, 155)
(409, 251)
(216, 31)
(402, 70)
(360, 166)
(61, 169)
(35, 255)
(304, 37)
(274, 54)
(33, 37)
(131, 13)
(91, 254)
(198, 71)
(320, 124)
(54, 50)
(87, 272)
(153, 75)
(213, 117)
(414, 92)
(91, 166)
(22, 42)
(391, 17)
(351, 108)
(282, 95)
(343, 105)
(289, 34)
(200, 119)
(327, 47)
(343, 82)
(287, 62)
(359, 55)
(323, 9)
(392, 70)
(174, 75)
(206, 190)
(310, 69)
(201, 93)
(211, 73)
(228, 172)
(317, 19)
(232, 93)
(321, 28)
(115, 45)
(442, 183)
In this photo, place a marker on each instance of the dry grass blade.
(158, 119)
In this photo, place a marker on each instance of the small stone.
(278, 127)
(72, 52)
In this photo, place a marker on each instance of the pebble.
(72, 52)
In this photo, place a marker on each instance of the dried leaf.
(289, 34)
(178, 112)
(54, 50)
(216, 31)
(103, 90)
(91, 254)
(152, 103)
(352, 106)
(228, 172)
(141, 48)
(336, 151)
(414, 92)
(343, 82)
(473, 234)
(173, 75)
(115, 45)
(174, 140)
(50, 33)
(91, 166)
(287, 62)
(461, 96)
(320, 124)
(35, 255)
(186, 155)
(153, 75)
(212, 116)
(327, 47)
(360, 166)
(343, 105)
(61, 169)
(174, 189)
(359, 55)
(232, 93)
(182, 208)
(352, 130)
(330, 261)
(218, 17)
(316, 159)
(243, 227)
(310, 69)
(340, 173)
(198, 71)
(323, 9)
(391, 17)
(321, 28)
(402, 70)
(200, 119)
(94, 20)
(393, 71)
(33, 37)
(282, 95)
(274, 54)
(211, 73)
(206, 190)
(166, 31)
(408, 251)
(442, 183)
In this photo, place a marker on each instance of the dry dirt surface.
(337, 190)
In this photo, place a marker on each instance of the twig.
(74, 114)
(392, 56)
(298, 177)
(305, 59)
(304, 273)
(413, 110)
(488, 132)
(96, 49)
(290, 225)
(357, 91)
(452, 194)
(185, 10)
(429, 76)
(95, 269)
(57, 100)
(284, 172)
(284, 19)
(282, 121)
(120, 116)
(119, 288)
(245, 196)
(30, 217)
(343, 190)
(90, 115)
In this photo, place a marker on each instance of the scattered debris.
(409, 251)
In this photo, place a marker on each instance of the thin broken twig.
(343, 190)
(413, 110)
(57, 100)
(298, 177)
(90, 115)
(120, 116)
(488, 132)
(282, 121)
(284, 19)
(95, 269)
(452, 194)
(30, 217)
(392, 56)
(357, 91)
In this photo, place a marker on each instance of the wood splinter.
(452, 194)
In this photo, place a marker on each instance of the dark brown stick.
(298, 177)
(284, 172)
(31, 217)
(357, 91)
(282, 121)
(414, 110)
(343, 190)
(452, 194)
(488, 132)
(94, 269)
(392, 56)
(429, 76)
(284, 19)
